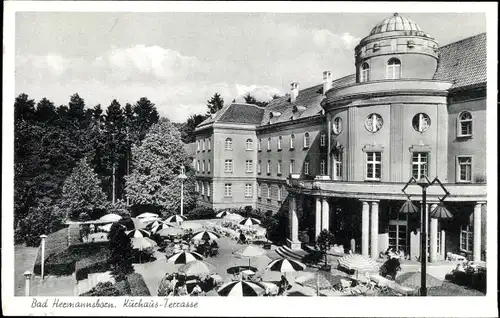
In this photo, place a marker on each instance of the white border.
(265, 306)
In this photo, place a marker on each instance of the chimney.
(327, 81)
(294, 91)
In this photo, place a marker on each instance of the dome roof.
(395, 23)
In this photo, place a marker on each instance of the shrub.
(121, 255)
(95, 263)
(324, 242)
(120, 207)
(55, 243)
(201, 213)
(84, 216)
(104, 289)
(41, 219)
(303, 237)
(137, 285)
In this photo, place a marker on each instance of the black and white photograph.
(160, 155)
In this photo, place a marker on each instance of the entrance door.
(398, 236)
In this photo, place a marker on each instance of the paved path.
(24, 260)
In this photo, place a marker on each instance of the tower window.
(393, 69)
(365, 72)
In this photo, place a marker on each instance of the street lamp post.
(182, 176)
(27, 277)
(424, 183)
(42, 259)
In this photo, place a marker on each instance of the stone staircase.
(286, 252)
(91, 281)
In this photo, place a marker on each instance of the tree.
(24, 108)
(215, 104)
(76, 110)
(187, 129)
(156, 165)
(45, 111)
(324, 242)
(121, 255)
(249, 99)
(146, 116)
(82, 192)
(276, 96)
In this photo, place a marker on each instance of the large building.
(337, 155)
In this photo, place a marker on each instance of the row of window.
(203, 188)
(204, 144)
(420, 122)
(228, 191)
(200, 166)
(291, 167)
(228, 145)
(393, 70)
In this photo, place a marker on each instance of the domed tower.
(396, 49)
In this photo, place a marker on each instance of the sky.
(179, 60)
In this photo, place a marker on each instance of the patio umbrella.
(319, 280)
(358, 263)
(413, 279)
(184, 257)
(142, 243)
(222, 214)
(160, 227)
(147, 215)
(138, 233)
(233, 217)
(441, 212)
(175, 218)
(106, 228)
(197, 268)
(241, 288)
(170, 231)
(249, 221)
(205, 236)
(250, 251)
(110, 218)
(285, 265)
(192, 226)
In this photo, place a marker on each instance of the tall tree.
(146, 116)
(157, 162)
(82, 192)
(76, 109)
(215, 104)
(187, 129)
(115, 146)
(24, 108)
(45, 111)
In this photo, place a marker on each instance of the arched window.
(306, 140)
(280, 140)
(464, 127)
(365, 72)
(322, 139)
(259, 145)
(393, 69)
(292, 141)
(229, 144)
(269, 144)
(249, 144)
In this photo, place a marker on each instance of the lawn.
(24, 260)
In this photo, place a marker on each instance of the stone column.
(293, 222)
(477, 232)
(443, 245)
(374, 231)
(318, 213)
(434, 236)
(365, 227)
(325, 217)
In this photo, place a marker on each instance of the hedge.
(137, 285)
(201, 213)
(55, 243)
(94, 263)
(104, 289)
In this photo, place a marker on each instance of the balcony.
(387, 190)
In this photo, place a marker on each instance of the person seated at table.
(242, 239)
(283, 284)
(182, 289)
(196, 290)
(214, 244)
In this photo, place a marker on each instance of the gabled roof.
(463, 62)
(309, 98)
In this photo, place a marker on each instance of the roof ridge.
(462, 40)
(246, 104)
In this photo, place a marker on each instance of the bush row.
(94, 263)
(137, 285)
(55, 243)
(201, 213)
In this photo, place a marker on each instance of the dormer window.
(365, 72)
(393, 69)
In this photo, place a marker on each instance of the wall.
(475, 145)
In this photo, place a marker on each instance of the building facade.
(336, 156)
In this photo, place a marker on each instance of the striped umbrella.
(142, 243)
(233, 217)
(138, 233)
(241, 288)
(197, 268)
(184, 257)
(222, 214)
(139, 223)
(358, 263)
(249, 221)
(205, 236)
(441, 212)
(192, 226)
(285, 265)
(175, 218)
(170, 231)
